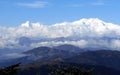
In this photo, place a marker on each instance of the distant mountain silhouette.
(69, 48)
(70, 54)
(52, 53)
(44, 53)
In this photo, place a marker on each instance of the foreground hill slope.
(106, 58)
(44, 68)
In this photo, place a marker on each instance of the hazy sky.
(15, 12)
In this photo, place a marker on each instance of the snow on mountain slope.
(85, 33)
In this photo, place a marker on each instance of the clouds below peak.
(11, 56)
(85, 33)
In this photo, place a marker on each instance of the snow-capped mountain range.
(85, 33)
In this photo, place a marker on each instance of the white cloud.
(98, 3)
(115, 44)
(84, 33)
(80, 43)
(36, 4)
(11, 56)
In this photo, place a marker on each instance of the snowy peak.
(80, 33)
(90, 21)
(28, 24)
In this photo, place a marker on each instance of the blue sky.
(15, 12)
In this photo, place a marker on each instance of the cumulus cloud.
(36, 4)
(85, 33)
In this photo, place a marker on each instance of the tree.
(10, 70)
(69, 70)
